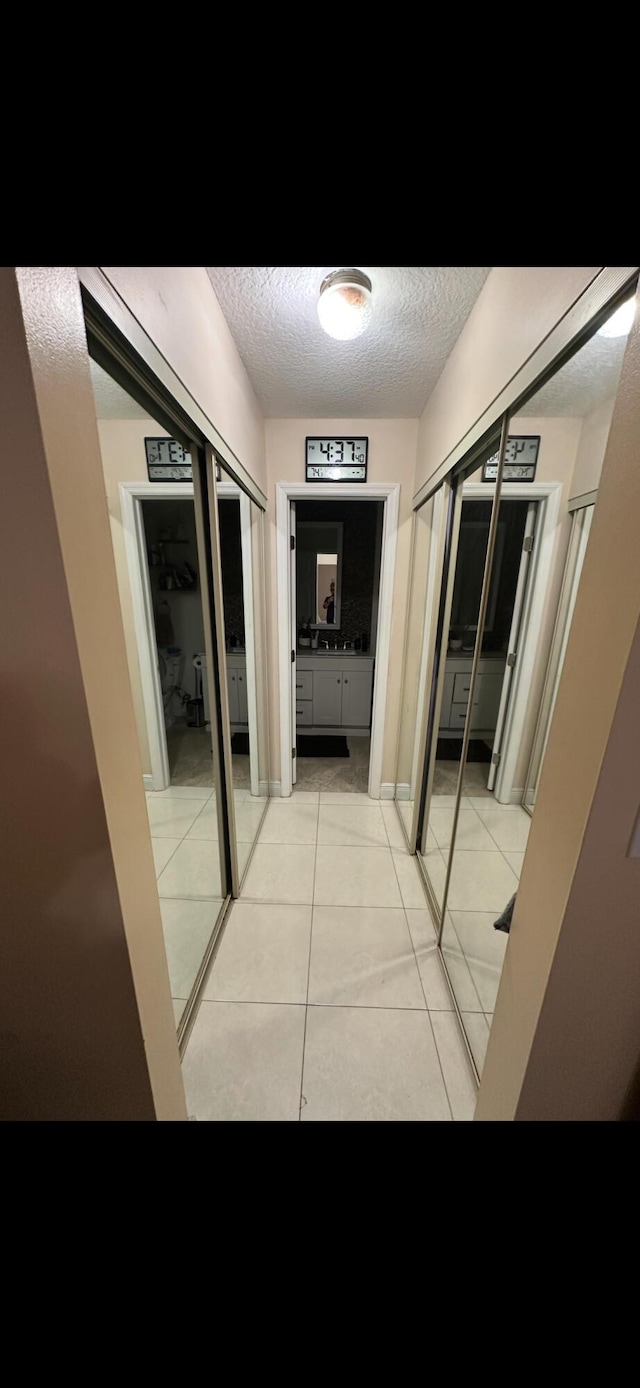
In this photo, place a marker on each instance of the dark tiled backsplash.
(359, 519)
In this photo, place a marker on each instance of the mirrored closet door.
(240, 530)
(453, 711)
(581, 526)
(484, 654)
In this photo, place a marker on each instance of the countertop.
(468, 655)
(333, 660)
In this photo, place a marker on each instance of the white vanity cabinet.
(486, 699)
(327, 698)
(237, 688)
(334, 692)
(356, 698)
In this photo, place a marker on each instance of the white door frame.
(369, 491)
(132, 494)
(549, 494)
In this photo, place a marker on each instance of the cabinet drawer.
(461, 687)
(304, 684)
(304, 712)
(458, 716)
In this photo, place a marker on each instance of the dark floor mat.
(322, 746)
(240, 744)
(450, 749)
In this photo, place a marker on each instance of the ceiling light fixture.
(344, 306)
(619, 324)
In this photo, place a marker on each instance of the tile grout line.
(178, 845)
(306, 1005)
(406, 921)
(336, 1006)
(157, 837)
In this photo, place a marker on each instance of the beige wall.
(124, 460)
(591, 449)
(177, 307)
(88, 1029)
(392, 451)
(515, 310)
(565, 1038)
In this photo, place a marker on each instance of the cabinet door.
(243, 709)
(488, 689)
(327, 698)
(356, 698)
(447, 696)
(232, 687)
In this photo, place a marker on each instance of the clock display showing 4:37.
(335, 451)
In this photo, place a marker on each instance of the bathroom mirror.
(319, 573)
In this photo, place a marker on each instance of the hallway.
(326, 999)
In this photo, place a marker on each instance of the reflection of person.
(329, 603)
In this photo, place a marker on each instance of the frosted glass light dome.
(344, 306)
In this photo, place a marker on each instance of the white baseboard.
(403, 791)
(148, 782)
(263, 788)
(387, 790)
(515, 797)
(275, 788)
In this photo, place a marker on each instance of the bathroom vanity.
(334, 691)
(237, 689)
(455, 694)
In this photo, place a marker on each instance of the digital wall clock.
(336, 460)
(520, 460)
(167, 461)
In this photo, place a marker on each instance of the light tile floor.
(336, 773)
(184, 837)
(191, 759)
(327, 1000)
(490, 847)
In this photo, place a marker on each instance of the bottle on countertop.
(365, 641)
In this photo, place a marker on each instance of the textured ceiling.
(112, 402)
(390, 371)
(383, 380)
(587, 379)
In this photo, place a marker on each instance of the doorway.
(334, 593)
(340, 674)
(174, 587)
(501, 639)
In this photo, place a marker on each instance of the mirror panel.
(163, 585)
(241, 558)
(416, 655)
(581, 526)
(460, 598)
(319, 574)
(570, 415)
